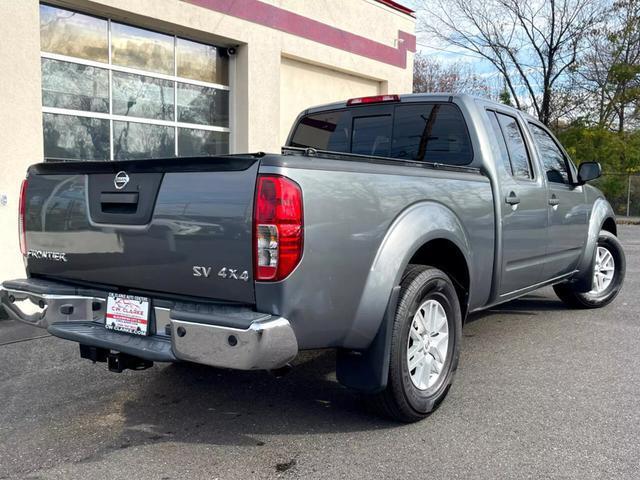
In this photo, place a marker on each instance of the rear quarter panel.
(348, 209)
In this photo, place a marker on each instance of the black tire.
(567, 293)
(401, 400)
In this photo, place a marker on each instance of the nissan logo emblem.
(121, 180)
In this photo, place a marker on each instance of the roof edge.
(397, 6)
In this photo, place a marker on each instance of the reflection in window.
(74, 86)
(371, 135)
(141, 96)
(503, 158)
(324, 131)
(196, 143)
(517, 148)
(200, 62)
(68, 136)
(73, 34)
(553, 159)
(109, 91)
(203, 105)
(143, 49)
(432, 133)
(140, 140)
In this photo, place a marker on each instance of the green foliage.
(617, 152)
(505, 97)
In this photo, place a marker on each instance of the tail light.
(21, 218)
(278, 227)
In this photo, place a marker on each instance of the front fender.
(600, 212)
(412, 228)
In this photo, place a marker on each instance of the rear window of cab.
(428, 132)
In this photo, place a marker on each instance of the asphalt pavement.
(541, 392)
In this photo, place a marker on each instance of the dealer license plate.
(127, 313)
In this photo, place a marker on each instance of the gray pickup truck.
(381, 226)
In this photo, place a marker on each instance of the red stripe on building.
(277, 18)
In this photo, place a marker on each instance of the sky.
(446, 53)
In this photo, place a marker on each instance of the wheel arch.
(412, 236)
(610, 226)
(427, 233)
(445, 255)
(601, 218)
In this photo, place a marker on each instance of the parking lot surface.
(541, 392)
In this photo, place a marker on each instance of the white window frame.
(110, 68)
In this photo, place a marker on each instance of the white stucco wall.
(275, 75)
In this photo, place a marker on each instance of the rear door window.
(518, 153)
(431, 133)
(324, 131)
(501, 144)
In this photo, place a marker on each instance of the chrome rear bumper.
(267, 343)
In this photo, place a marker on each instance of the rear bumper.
(226, 337)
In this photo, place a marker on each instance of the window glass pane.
(203, 105)
(324, 131)
(201, 62)
(140, 140)
(71, 33)
(503, 157)
(78, 87)
(71, 137)
(143, 49)
(515, 143)
(552, 158)
(196, 143)
(140, 96)
(431, 133)
(371, 135)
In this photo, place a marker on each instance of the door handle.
(553, 201)
(512, 199)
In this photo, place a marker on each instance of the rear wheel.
(425, 344)
(607, 276)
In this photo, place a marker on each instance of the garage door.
(303, 85)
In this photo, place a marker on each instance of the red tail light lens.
(21, 218)
(278, 227)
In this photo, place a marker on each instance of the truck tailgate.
(162, 226)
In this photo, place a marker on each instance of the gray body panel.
(363, 222)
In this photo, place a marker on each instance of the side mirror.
(588, 171)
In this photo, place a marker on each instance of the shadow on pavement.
(193, 403)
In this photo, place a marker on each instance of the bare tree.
(431, 75)
(532, 44)
(610, 71)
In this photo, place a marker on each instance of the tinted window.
(71, 33)
(140, 48)
(141, 140)
(200, 62)
(79, 138)
(195, 143)
(515, 143)
(371, 135)
(500, 143)
(431, 133)
(324, 131)
(204, 105)
(142, 96)
(552, 158)
(74, 86)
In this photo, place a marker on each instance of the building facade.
(123, 79)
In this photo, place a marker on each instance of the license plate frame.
(127, 314)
